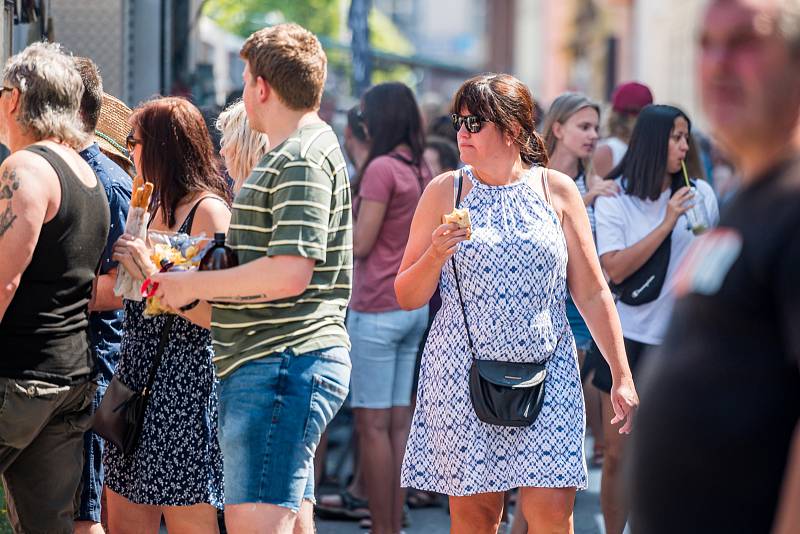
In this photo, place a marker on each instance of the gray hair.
(562, 108)
(50, 91)
(244, 146)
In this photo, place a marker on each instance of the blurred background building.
(190, 47)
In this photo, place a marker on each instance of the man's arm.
(262, 280)
(103, 297)
(24, 202)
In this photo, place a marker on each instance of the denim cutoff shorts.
(272, 413)
(384, 353)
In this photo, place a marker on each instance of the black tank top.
(44, 333)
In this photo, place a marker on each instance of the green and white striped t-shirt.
(295, 202)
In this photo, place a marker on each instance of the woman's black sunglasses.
(131, 142)
(472, 122)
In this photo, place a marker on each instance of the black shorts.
(602, 372)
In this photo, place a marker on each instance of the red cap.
(631, 97)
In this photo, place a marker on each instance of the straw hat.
(113, 128)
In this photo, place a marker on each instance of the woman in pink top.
(385, 338)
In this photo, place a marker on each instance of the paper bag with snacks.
(171, 252)
(135, 225)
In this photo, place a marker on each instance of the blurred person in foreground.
(627, 101)
(530, 242)
(717, 447)
(282, 350)
(54, 220)
(240, 146)
(106, 313)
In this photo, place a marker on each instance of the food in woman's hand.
(127, 286)
(459, 216)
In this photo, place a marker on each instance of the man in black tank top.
(54, 220)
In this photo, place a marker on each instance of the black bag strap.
(162, 345)
(458, 183)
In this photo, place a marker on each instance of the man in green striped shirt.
(281, 347)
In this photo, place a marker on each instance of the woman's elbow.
(404, 299)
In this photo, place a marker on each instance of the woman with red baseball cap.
(627, 101)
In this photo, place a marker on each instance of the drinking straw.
(685, 175)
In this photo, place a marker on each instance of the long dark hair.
(391, 115)
(645, 162)
(506, 102)
(177, 154)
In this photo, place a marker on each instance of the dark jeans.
(41, 452)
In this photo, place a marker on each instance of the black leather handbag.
(120, 416)
(502, 393)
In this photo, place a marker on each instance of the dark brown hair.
(92, 99)
(291, 60)
(177, 154)
(508, 104)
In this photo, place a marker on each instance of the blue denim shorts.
(384, 353)
(273, 412)
(92, 479)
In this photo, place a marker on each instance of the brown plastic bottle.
(219, 256)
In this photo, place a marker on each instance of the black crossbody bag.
(646, 283)
(120, 416)
(502, 393)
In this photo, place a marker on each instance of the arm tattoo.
(247, 298)
(6, 219)
(9, 182)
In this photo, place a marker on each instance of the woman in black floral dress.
(176, 469)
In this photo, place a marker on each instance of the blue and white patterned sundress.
(513, 275)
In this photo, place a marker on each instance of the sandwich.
(459, 216)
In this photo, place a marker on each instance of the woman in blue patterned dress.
(176, 468)
(526, 223)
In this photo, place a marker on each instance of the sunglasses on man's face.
(472, 122)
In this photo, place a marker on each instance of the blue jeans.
(92, 479)
(273, 412)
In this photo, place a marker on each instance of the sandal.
(347, 507)
(366, 522)
(597, 457)
(422, 499)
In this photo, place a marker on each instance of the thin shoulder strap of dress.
(189, 220)
(546, 185)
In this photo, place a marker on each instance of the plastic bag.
(172, 252)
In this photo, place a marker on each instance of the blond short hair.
(50, 91)
(244, 147)
(291, 60)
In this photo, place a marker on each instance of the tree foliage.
(243, 17)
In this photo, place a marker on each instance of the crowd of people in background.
(595, 250)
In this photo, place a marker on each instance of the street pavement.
(588, 519)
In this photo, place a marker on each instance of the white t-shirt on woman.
(624, 220)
